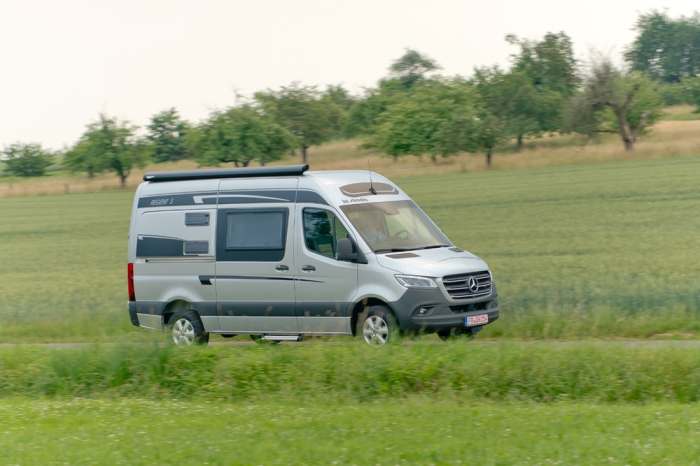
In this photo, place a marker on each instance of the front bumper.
(438, 313)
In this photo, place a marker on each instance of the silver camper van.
(281, 252)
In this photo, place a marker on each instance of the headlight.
(413, 281)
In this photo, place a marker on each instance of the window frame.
(303, 230)
(225, 254)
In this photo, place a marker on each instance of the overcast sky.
(63, 62)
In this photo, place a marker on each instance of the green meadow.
(586, 250)
(385, 432)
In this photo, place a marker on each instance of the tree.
(166, 135)
(364, 113)
(108, 144)
(691, 88)
(549, 63)
(412, 67)
(490, 131)
(436, 119)
(302, 111)
(240, 135)
(522, 108)
(26, 159)
(626, 103)
(666, 49)
(528, 99)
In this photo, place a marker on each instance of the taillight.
(130, 280)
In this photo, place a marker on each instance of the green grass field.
(603, 372)
(606, 249)
(385, 432)
(579, 251)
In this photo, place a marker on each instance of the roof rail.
(287, 170)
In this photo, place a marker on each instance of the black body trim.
(440, 314)
(248, 172)
(206, 279)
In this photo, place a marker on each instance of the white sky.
(63, 62)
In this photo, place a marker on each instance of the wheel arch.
(362, 304)
(175, 305)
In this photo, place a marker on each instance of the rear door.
(255, 256)
(325, 286)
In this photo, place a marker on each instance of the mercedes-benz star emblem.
(472, 284)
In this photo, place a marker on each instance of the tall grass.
(498, 371)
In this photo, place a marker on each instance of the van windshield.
(394, 226)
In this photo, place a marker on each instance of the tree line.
(414, 110)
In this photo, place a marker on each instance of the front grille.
(457, 286)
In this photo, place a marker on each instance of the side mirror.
(346, 250)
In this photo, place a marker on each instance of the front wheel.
(187, 329)
(377, 326)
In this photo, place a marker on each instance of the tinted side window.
(321, 231)
(256, 235)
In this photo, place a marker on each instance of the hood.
(432, 262)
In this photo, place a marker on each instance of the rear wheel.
(377, 326)
(186, 329)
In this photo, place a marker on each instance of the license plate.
(480, 319)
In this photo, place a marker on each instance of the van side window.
(321, 231)
(251, 235)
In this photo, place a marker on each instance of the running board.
(282, 337)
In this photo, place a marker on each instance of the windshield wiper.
(382, 251)
(432, 246)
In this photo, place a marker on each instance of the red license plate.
(480, 319)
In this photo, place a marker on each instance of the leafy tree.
(528, 99)
(615, 101)
(108, 145)
(26, 159)
(302, 111)
(166, 135)
(549, 63)
(490, 131)
(412, 67)
(407, 71)
(82, 158)
(666, 49)
(364, 113)
(522, 108)
(437, 119)
(691, 88)
(240, 135)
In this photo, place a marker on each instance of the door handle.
(282, 268)
(308, 268)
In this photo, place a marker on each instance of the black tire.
(186, 329)
(445, 334)
(382, 327)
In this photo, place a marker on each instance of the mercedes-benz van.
(281, 252)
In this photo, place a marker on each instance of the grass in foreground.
(578, 251)
(387, 432)
(540, 372)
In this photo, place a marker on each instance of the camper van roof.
(287, 170)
